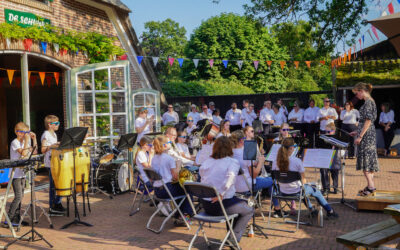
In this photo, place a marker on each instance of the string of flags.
(48, 76)
(225, 62)
(346, 56)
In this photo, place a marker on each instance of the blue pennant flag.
(225, 62)
(363, 38)
(180, 61)
(77, 51)
(140, 58)
(44, 46)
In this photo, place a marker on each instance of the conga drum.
(62, 171)
(82, 165)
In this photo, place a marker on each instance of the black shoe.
(24, 223)
(57, 208)
(53, 211)
(314, 212)
(332, 215)
(279, 214)
(324, 192)
(60, 207)
(334, 191)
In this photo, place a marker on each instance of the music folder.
(318, 158)
(273, 152)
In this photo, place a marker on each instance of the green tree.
(164, 39)
(336, 19)
(233, 37)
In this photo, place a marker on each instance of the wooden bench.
(371, 236)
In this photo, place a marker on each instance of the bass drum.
(114, 177)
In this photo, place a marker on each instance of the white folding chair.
(154, 176)
(202, 191)
(140, 189)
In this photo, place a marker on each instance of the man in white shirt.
(386, 121)
(310, 118)
(204, 114)
(233, 116)
(283, 108)
(326, 115)
(211, 106)
(170, 117)
(194, 114)
(266, 117)
(248, 115)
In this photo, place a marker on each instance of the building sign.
(24, 19)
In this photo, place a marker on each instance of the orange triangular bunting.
(322, 62)
(308, 63)
(283, 63)
(29, 75)
(10, 73)
(41, 75)
(296, 64)
(57, 77)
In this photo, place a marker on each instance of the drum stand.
(33, 231)
(93, 189)
(33, 203)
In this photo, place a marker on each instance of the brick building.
(101, 96)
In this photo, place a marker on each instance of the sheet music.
(318, 158)
(273, 152)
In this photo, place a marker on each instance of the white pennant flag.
(56, 47)
(8, 42)
(240, 63)
(86, 55)
(384, 13)
(196, 62)
(155, 60)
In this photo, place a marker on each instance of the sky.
(190, 14)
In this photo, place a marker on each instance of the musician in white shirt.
(173, 150)
(233, 116)
(221, 171)
(282, 108)
(194, 114)
(211, 106)
(248, 116)
(170, 117)
(216, 117)
(326, 115)
(204, 114)
(266, 117)
(278, 116)
(142, 123)
(386, 121)
(310, 118)
(349, 117)
(296, 117)
(190, 125)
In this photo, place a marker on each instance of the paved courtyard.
(113, 228)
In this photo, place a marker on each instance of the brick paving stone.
(115, 229)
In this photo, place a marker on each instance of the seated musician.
(165, 165)
(173, 151)
(190, 125)
(20, 147)
(284, 163)
(225, 129)
(221, 171)
(143, 158)
(283, 132)
(249, 135)
(183, 148)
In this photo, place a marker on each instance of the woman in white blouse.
(386, 121)
(349, 117)
(224, 129)
(296, 117)
(277, 116)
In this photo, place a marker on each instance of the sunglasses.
(150, 145)
(295, 146)
(182, 136)
(170, 107)
(285, 129)
(327, 101)
(25, 132)
(170, 142)
(190, 120)
(55, 123)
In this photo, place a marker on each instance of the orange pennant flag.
(10, 73)
(322, 62)
(296, 64)
(283, 63)
(269, 63)
(57, 77)
(349, 54)
(308, 63)
(29, 75)
(344, 58)
(41, 75)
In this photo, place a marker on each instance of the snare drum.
(114, 177)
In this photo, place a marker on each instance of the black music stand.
(127, 141)
(250, 153)
(71, 139)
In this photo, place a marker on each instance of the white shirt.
(233, 116)
(204, 153)
(295, 165)
(298, 115)
(150, 112)
(386, 117)
(174, 152)
(217, 119)
(51, 138)
(279, 118)
(206, 116)
(182, 147)
(326, 112)
(242, 181)
(349, 117)
(140, 122)
(14, 155)
(168, 117)
(247, 117)
(221, 174)
(266, 115)
(195, 116)
(190, 129)
(283, 109)
(210, 111)
(163, 164)
(220, 134)
(311, 114)
(142, 157)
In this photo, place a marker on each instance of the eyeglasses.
(25, 132)
(182, 136)
(285, 129)
(294, 145)
(55, 123)
(327, 101)
(170, 142)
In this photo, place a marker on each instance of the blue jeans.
(265, 183)
(53, 198)
(314, 192)
(175, 190)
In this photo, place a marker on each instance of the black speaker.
(250, 150)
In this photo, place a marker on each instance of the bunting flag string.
(28, 44)
(44, 46)
(283, 63)
(375, 32)
(296, 64)
(155, 60)
(10, 74)
(56, 77)
(140, 58)
(256, 64)
(196, 62)
(225, 63)
(211, 62)
(240, 64)
(42, 75)
(269, 64)
(180, 61)
(308, 64)
(171, 60)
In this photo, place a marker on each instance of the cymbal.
(106, 158)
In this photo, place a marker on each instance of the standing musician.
(311, 121)
(349, 117)
(278, 116)
(284, 163)
(296, 117)
(221, 171)
(266, 117)
(165, 165)
(225, 129)
(248, 115)
(386, 121)
(143, 123)
(204, 114)
(282, 106)
(49, 139)
(20, 147)
(170, 117)
(233, 116)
